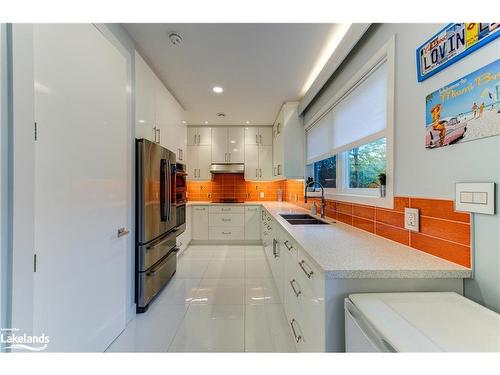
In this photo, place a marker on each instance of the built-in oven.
(180, 183)
(180, 197)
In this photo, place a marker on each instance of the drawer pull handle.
(286, 244)
(299, 337)
(226, 232)
(308, 274)
(226, 219)
(297, 293)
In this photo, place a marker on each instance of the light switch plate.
(261, 194)
(477, 197)
(412, 219)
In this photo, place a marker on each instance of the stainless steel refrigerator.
(156, 231)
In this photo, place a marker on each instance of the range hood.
(227, 168)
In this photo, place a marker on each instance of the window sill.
(370, 200)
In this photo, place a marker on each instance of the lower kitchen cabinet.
(200, 223)
(226, 223)
(252, 223)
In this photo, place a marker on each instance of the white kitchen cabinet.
(262, 136)
(228, 145)
(200, 223)
(199, 135)
(185, 238)
(198, 162)
(251, 162)
(252, 223)
(219, 145)
(258, 163)
(288, 143)
(236, 144)
(158, 114)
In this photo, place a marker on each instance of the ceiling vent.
(175, 39)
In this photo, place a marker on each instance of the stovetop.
(227, 200)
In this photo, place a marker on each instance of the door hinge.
(36, 132)
(34, 262)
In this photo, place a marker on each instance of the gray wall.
(433, 173)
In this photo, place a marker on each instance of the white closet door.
(81, 188)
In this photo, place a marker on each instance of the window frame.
(365, 195)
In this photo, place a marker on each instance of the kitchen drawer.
(226, 233)
(222, 209)
(226, 220)
(310, 276)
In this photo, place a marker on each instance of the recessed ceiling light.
(183, 121)
(218, 89)
(206, 122)
(247, 122)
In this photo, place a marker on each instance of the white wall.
(433, 173)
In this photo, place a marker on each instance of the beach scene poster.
(465, 110)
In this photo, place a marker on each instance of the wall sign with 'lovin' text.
(452, 43)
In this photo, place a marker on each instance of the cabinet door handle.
(194, 139)
(159, 135)
(154, 134)
(260, 138)
(226, 219)
(297, 293)
(261, 172)
(226, 233)
(288, 247)
(308, 274)
(299, 337)
(229, 157)
(256, 139)
(256, 172)
(199, 139)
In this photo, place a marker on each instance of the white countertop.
(344, 251)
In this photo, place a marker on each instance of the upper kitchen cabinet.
(228, 145)
(288, 143)
(197, 136)
(261, 136)
(158, 114)
(258, 163)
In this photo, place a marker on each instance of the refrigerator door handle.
(163, 196)
(169, 178)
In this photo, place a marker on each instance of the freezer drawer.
(151, 282)
(152, 252)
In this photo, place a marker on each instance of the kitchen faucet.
(323, 204)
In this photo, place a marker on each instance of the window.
(349, 141)
(325, 172)
(365, 163)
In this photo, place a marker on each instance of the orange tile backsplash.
(444, 232)
(233, 186)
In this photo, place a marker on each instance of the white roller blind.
(363, 112)
(319, 139)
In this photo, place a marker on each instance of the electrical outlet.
(261, 194)
(412, 219)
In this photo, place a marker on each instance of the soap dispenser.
(314, 209)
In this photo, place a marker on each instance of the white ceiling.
(260, 66)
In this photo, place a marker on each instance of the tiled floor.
(221, 299)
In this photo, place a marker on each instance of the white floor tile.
(260, 291)
(257, 333)
(221, 292)
(257, 268)
(178, 291)
(152, 331)
(225, 269)
(229, 252)
(211, 328)
(191, 268)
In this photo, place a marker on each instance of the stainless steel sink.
(302, 219)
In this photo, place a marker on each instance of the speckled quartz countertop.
(343, 251)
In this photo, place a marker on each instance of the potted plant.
(382, 183)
